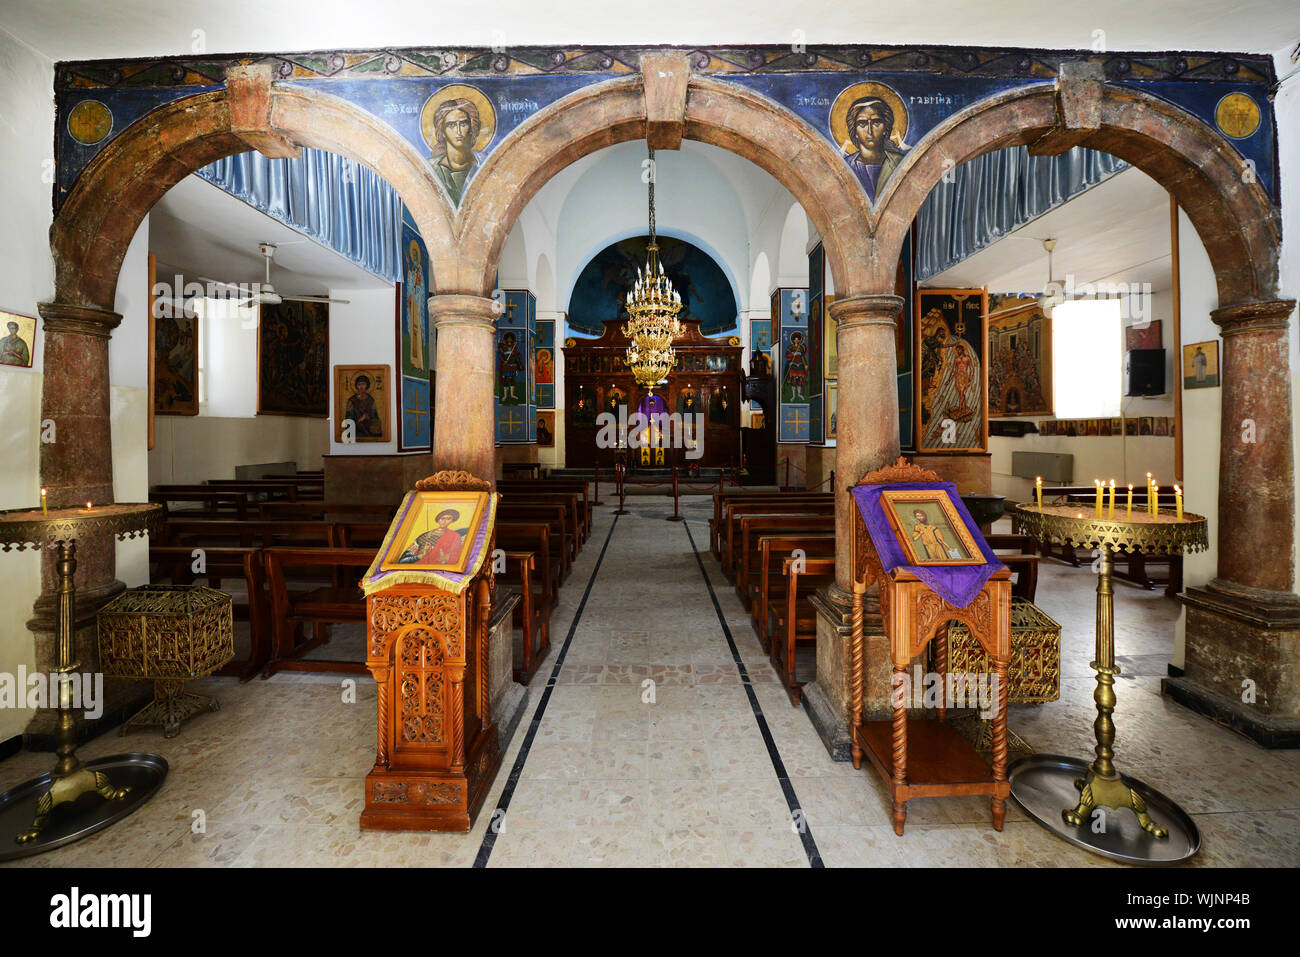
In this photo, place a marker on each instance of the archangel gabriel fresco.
(458, 123)
(869, 122)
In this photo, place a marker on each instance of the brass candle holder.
(28, 811)
(1162, 532)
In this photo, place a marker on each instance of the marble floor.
(707, 765)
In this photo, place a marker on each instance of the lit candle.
(1097, 482)
(1038, 487)
(1155, 501)
(1129, 514)
(1178, 501)
(44, 510)
(1111, 515)
(88, 506)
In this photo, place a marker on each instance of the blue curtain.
(996, 193)
(329, 197)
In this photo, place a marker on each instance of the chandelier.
(652, 307)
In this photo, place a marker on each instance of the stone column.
(1242, 661)
(463, 435)
(866, 439)
(76, 467)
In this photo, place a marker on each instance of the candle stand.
(75, 799)
(1164, 834)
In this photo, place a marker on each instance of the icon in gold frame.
(929, 528)
(436, 533)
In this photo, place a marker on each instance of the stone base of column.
(827, 699)
(1242, 644)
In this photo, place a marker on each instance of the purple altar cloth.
(956, 584)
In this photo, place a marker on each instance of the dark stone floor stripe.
(787, 786)
(503, 805)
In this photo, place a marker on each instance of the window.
(1087, 358)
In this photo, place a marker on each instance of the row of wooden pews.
(778, 549)
(301, 559)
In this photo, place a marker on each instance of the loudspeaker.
(1146, 372)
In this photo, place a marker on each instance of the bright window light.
(1087, 361)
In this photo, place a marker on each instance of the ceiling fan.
(264, 293)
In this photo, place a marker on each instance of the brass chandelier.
(652, 307)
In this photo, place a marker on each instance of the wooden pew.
(176, 563)
(734, 510)
(1017, 553)
(534, 537)
(291, 608)
(270, 490)
(227, 503)
(320, 511)
(796, 619)
(551, 485)
(572, 503)
(720, 498)
(745, 562)
(532, 615)
(773, 550)
(557, 516)
(220, 532)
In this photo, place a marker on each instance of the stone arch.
(722, 114)
(121, 184)
(1235, 219)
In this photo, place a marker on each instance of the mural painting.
(950, 377)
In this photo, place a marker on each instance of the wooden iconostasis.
(707, 380)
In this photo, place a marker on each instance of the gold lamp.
(652, 308)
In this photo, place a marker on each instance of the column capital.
(79, 320)
(1261, 316)
(866, 310)
(452, 309)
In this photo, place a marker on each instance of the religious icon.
(720, 407)
(1201, 365)
(950, 342)
(794, 383)
(613, 399)
(361, 397)
(832, 409)
(176, 359)
(1147, 336)
(546, 429)
(929, 528)
(417, 299)
(584, 406)
(869, 122)
(458, 123)
(1020, 364)
(545, 367)
(435, 532)
(20, 336)
(509, 365)
(293, 359)
(688, 401)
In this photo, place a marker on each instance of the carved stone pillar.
(866, 439)
(1242, 656)
(77, 467)
(463, 436)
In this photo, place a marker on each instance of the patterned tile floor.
(618, 776)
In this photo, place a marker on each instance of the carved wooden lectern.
(931, 759)
(427, 648)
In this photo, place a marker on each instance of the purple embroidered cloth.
(956, 584)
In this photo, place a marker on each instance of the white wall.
(26, 278)
(364, 332)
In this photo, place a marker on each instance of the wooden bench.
(572, 502)
(532, 615)
(735, 510)
(551, 485)
(796, 619)
(534, 537)
(721, 498)
(745, 562)
(1017, 553)
(270, 490)
(331, 604)
(320, 511)
(228, 503)
(556, 516)
(771, 589)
